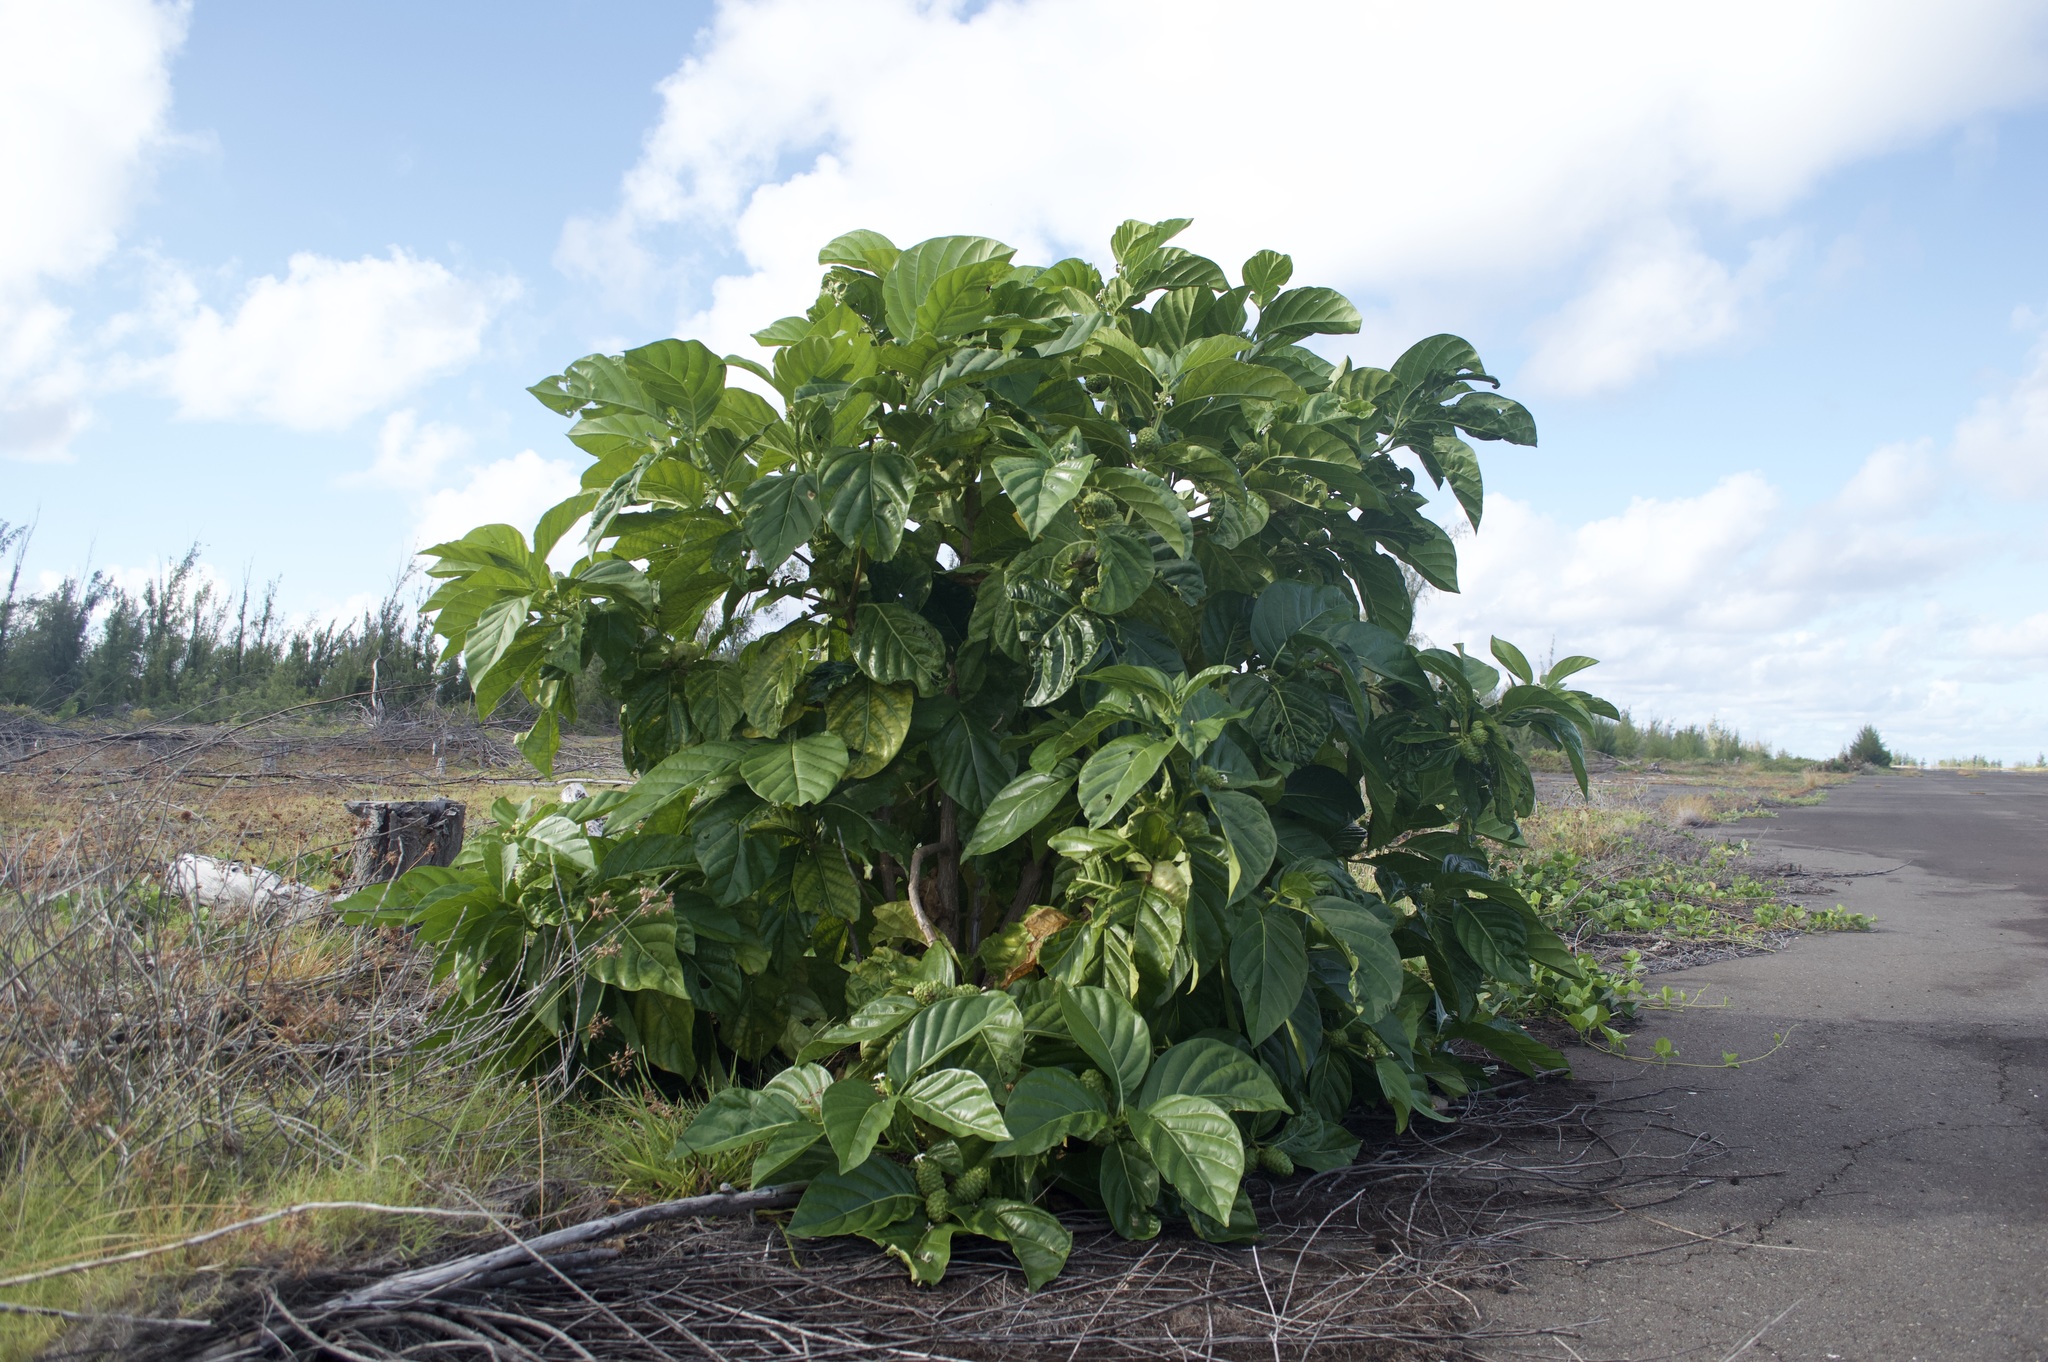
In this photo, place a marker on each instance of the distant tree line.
(180, 646)
(1660, 741)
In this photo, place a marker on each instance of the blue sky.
(1771, 277)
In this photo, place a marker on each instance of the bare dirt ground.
(1887, 1185)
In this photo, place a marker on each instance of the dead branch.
(405, 1287)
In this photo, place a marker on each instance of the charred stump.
(393, 836)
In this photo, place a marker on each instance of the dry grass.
(1694, 811)
(163, 1072)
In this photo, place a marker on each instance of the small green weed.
(1835, 919)
(1707, 901)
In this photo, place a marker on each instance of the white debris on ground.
(235, 888)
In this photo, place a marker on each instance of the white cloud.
(1781, 619)
(2005, 440)
(1654, 298)
(331, 341)
(1389, 155)
(510, 491)
(84, 92)
(1896, 481)
(410, 453)
(84, 87)
(2022, 641)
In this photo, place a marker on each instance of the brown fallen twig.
(410, 1286)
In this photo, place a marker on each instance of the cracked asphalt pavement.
(1886, 1193)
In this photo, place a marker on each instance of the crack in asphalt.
(1855, 1150)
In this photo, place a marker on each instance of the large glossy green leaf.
(635, 855)
(1036, 1236)
(1059, 654)
(770, 670)
(855, 1114)
(926, 1253)
(972, 765)
(788, 1148)
(1512, 658)
(638, 952)
(1266, 273)
(957, 1101)
(891, 644)
(1495, 936)
(1461, 470)
(1128, 1182)
(873, 720)
(795, 770)
(680, 376)
(917, 269)
(947, 1026)
(1317, 1143)
(822, 885)
(1307, 312)
(1437, 359)
(1123, 569)
(1112, 354)
(1116, 773)
(735, 1118)
(1290, 721)
(684, 772)
(1248, 834)
(1155, 503)
(1489, 416)
(780, 513)
(1111, 1033)
(1196, 1147)
(667, 1027)
(1038, 487)
(1511, 1043)
(875, 1021)
(1376, 973)
(958, 301)
(1269, 965)
(1286, 608)
(1206, 1067)
(1048, 1107)
(564, 840)
(867, 494)
(493, 632)
(1019, 807)
(1427, 549)
(878, 1193)
(862, 249)
(1233, 379)
(1382, 651)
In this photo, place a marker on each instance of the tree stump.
(393, 836)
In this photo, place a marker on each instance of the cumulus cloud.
(1534, 141)
(2021, 641)
(513, 491)
(329, 342)
(84, 92)
(412, 452)
(1727, 602)
(1654, 298)
(1896, 481)
(2005, 440)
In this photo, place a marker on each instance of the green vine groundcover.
(1037, 789)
